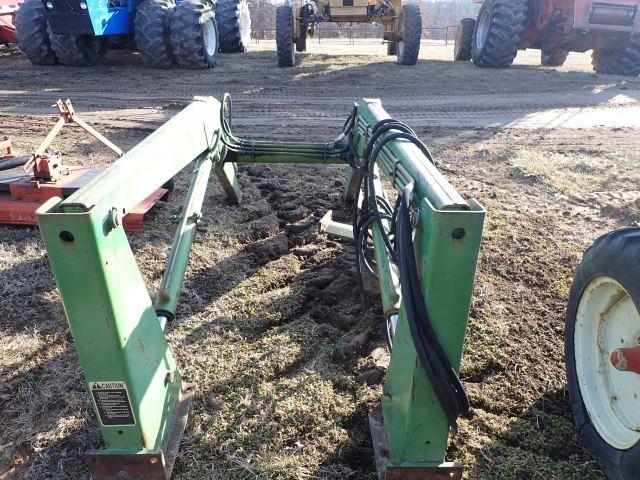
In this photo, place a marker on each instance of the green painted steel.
(114, 322)
(191, 216)
(416, 424)
(387, 270)
(110, 313)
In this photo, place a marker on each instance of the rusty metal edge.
(172, 444)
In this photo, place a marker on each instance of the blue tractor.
(166, 33)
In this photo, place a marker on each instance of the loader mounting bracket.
(388, 471)
(155, 465)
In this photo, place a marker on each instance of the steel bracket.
(148, 465)
(388, 471)
(226, 173)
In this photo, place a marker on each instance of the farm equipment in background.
(602, 352)
(611, 28)
(423, 253)
(8, 9)
(26, 182)
(189, 33)
(402, 25)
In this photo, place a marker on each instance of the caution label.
(112, 403)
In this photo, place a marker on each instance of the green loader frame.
(140, 399)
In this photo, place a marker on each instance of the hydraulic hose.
(441, 374)
(398, 240)
(10, 163)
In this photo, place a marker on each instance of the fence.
(353, 35)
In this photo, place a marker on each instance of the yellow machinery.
(402, 25)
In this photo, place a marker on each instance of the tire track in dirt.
(614, 108)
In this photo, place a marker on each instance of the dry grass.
(577, 174)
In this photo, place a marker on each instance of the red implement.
(8, 9)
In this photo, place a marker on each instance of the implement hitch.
(422, 253)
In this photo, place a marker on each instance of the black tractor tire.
(32, 34)
(77, 50)
(151, 23)
(553, 57)
(621, 61)
(464, 40)
(408, 49)
(498, 32)
(284, 36)
(194, 34)
(392, 48)
(234, 25)
(613, 255)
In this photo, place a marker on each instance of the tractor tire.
(498, 32)
(152, 33)
(601, 313)
(392, 48)
(234, 25)
(408, 48)
(194, 34)
(32, 34)
(77, 50)
(553, 57)
(284, 36)
(464, 40)
(623, 61)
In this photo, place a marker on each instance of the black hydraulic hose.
(10, 163)
(441, 374)
(399, 245)
(370, 155)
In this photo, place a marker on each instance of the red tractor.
(611, 28)
(8, 9)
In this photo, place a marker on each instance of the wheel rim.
(484, 25)
(244, 21)
(607, 319)
(210, 37)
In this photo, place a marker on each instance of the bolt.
(114, 218)
(170, 377)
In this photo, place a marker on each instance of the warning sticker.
(112, 403)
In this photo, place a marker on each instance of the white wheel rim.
(244, 21)
(607, 319)
(484, 25)
(210, 37)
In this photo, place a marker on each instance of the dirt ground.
(269, 303)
